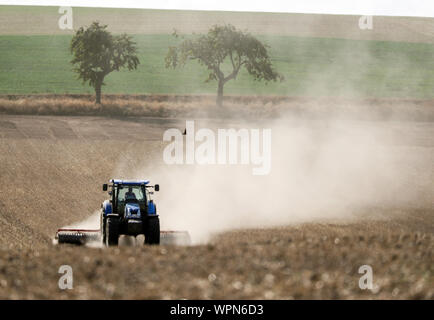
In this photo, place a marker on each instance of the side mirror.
(157, 187)
(104, 187)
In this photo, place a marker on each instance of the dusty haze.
(321, 169)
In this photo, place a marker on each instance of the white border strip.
(416, 8)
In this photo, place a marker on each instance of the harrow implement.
(83, 236)
(180, 238)
(77, 236)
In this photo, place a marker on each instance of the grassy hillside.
(311, 66)
(319, 55)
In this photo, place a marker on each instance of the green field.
(319, 55)
(311, 66)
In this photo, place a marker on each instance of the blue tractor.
(129, 211)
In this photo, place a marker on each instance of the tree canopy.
(220, 45)
(96, 53)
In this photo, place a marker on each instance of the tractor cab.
(130, 196)
(129, 211)
(127, 192)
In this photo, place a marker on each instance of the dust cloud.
(321, 170)
(92, 222)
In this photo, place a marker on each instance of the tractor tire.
(152, 231)
(112, 232)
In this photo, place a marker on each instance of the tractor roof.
(129, 182)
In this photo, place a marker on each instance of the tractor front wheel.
(112, 232)
(152, 231)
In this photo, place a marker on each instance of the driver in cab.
(130, 195)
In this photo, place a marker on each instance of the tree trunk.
(98, 93)
(220, 94)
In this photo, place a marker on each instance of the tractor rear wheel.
(152, 231)
(112, 232)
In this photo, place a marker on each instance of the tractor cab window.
(131, 193)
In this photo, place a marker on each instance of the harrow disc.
(77, 236)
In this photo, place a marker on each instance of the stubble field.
(51, 172)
